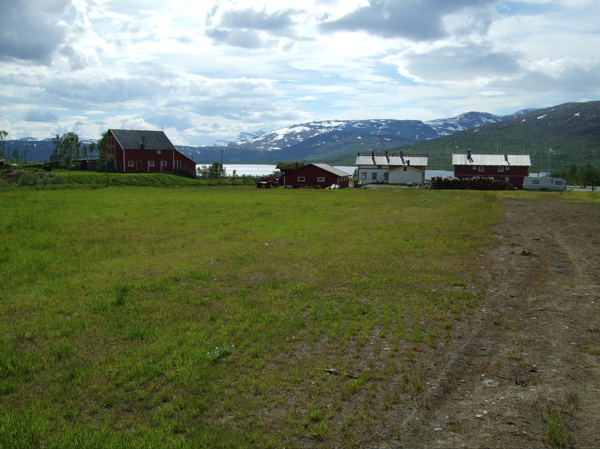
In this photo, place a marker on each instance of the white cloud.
(492, 93)
(209, 70)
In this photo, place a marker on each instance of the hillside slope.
(572, 130)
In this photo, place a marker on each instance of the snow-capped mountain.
(362, 133)
(244, 136)
(447, 126)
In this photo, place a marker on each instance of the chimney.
(469, 158)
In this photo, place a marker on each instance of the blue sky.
(209, 70)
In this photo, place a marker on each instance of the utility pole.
(222, 167)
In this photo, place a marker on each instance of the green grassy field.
(61, 179)
(138, 317)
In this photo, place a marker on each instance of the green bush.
(28, 179)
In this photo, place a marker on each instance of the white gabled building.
(406, 175)
(391, 168)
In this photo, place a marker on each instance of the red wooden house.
(313, 175)
(147, 151)
(505, 167)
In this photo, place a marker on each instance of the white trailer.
(544, 184)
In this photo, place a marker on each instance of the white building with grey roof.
(375, 168)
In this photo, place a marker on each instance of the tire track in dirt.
(530, 348)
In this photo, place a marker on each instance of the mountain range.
(338, 141)
(571, 129)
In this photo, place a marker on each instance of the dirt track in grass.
(528, 365)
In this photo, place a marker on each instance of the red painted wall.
(311, 173)
(138, 160)
(516, 175)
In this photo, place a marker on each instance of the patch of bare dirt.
(526, 372)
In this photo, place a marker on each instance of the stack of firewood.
(451, 183)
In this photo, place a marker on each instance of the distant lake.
(435, 173)
(266, 169)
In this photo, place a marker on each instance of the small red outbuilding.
(313, 175)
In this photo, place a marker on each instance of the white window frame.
(481, 168)
(301, 179)
(163, 163)
(321, 179)
(150, 163)
(501, 169)
(130, 163)
(374, 176)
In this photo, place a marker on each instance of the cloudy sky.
(207, 70)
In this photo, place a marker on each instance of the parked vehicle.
(544, 184)
(269, 181)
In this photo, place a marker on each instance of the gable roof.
(420, 160)
(332, 170)
(497, 160)
(133, 139)
(409, 167)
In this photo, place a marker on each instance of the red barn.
(503, 167)
(313, 175)
(147, 151)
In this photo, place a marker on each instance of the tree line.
(67, 150)
(582, 176)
